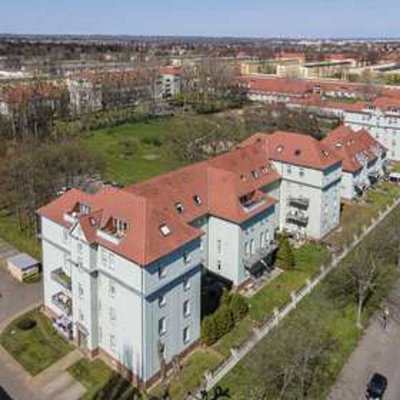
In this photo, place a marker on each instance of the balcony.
(297, 218)
(373, 177)
(259, 260)
(61, 278)
(299, 202)
(63, 302)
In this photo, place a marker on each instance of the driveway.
(378, 351)
(15, 296)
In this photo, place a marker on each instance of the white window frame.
(162, 326)
(186, 284)
(162, 301)
(186, 335)
(186, 308)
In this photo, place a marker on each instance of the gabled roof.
(352, 146)
(296, 149)
(175, 199)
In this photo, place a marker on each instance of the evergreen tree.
(285, 254)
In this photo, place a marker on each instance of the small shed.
(22, 266)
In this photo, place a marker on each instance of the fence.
(214, 376)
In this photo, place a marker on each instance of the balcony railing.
(299, 202)
(297, 218)
(63, 302)
(61, 278)
(260, 254)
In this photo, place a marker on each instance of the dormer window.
(297, 152)
(279, 149)
(165, 230)
(84, 209)
(255, 174)
(179, 207)
(120, 225)
(325, 153)
(197, 199)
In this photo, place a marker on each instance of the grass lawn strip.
(35, 349)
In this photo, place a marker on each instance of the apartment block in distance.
(122, 267)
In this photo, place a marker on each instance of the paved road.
(378, 351)
(15, 296)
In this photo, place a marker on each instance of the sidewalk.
(378, 351)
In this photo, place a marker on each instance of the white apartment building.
(364, 159)
(381, 119)
(168, 83)
(122, 267)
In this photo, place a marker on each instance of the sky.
(248, 18)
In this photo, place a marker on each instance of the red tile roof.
(214, 187)
(295, 149)
(170, 70)
(349, 144)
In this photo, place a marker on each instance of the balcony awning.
(301, 202)
(259, 255)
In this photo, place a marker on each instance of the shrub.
(285, 254)
(209, 331)
(238, 306)
(224, 320)
(26, 324)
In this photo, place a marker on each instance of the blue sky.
(310, 18)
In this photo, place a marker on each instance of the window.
(186, 284)
(113, 315)
(111, 288)
(162, 272)
(113, 342)
(219, 246)
(162, 301)
(187, 257)
(162, 326)
(164, 229)
(186, 335)
(81, 316)
(219, 265)
(80, 291)
(255, 174)
(186, 308)
(104, 258)
(301, 171)
(267, 237)
(262, 240)
(246, 248)
(179, 207)
(111, 261)
(197, 199)
(252, 246)
(289, 169)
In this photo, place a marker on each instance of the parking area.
(14, 296)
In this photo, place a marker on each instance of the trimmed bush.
(26, 324)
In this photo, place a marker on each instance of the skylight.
(279, 149)
(164, 229)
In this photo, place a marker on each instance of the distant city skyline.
(254, 18)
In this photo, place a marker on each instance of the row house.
(168, 83)
(364, 159)
(122, 267)
(381, 118)
(96, 91)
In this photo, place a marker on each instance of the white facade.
(383, 126)
(116, 306)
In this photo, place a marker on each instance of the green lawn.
(144, 160)
(192, 373)
(355, 215)
(35, 349)
(101, 382)
(21, 240)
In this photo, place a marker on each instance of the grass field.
(101, 382)
(35, 349)
(131, 152)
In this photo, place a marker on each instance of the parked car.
(376, 387)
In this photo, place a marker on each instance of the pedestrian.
(385, 317)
